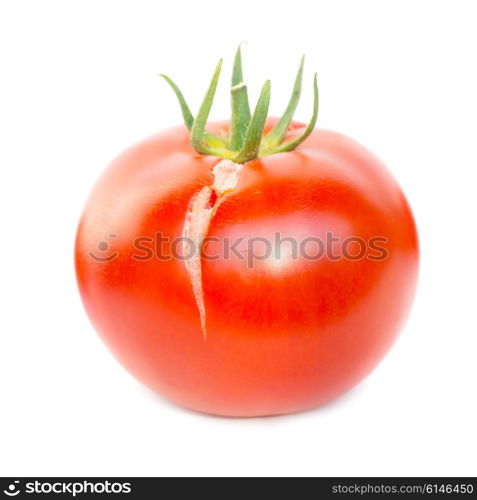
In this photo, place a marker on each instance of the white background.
(79, 84)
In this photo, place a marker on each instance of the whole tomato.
(260, 267)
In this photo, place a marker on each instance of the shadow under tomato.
(330, 406)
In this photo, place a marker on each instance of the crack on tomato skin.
(201, 211)
(213, 199)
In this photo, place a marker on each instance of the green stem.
(276, 135)
(240, 105)
(198, 128)
(251, 146)
(186, 114)
(290, 146)
(246, 140)
(212, 140)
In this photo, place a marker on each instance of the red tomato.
(285, 334)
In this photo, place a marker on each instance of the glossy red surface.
(285, 335)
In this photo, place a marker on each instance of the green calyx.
(246, 140)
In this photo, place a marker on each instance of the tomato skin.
(284, 336)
